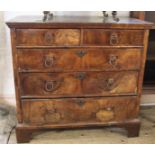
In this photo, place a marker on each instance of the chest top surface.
(77, 22)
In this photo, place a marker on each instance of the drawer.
(103, 37)
(78, 84)
(73, 110)
(56, 60)
(48, 37)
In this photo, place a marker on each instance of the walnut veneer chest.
(78, 72)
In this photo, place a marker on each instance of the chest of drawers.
(78, 72)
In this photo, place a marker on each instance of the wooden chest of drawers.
(79, 72)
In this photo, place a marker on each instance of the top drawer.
(48, 37)
(102, 37)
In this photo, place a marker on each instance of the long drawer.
(79, 110)
(48, 37)
(101, 37)
(56, 60)
(73, 84)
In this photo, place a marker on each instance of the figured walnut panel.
(103, 37)
(36, 22)
(78, 72)
(63, 111)
(48, 37)
(78, 84)
(82, 59)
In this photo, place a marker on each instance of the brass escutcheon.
(81, 76)
(80, 102)
(81, 53)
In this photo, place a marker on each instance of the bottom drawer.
(88, 110)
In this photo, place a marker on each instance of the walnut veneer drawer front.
(40, 112)
(79, 59)
(103, 37)
(78, 72)
(78, 84)
(48, 37)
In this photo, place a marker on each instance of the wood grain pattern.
(141, 74)
(83, 59)
(66, 22)
(63, 111)
(24, 131)
(122, 37)
(39, 37)
(16, 76)
(78, 72)
(78, 84)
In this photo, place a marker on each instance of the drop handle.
(49, 37)
(52, 85)
(113, 60)
(49, 61)
(114, 39)
(110, 83)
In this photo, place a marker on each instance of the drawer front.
(48, 37)
(39, 85)
(79, 59)
(63, 111)
(103, 37)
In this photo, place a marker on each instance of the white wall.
(10, 14)
(6, 74)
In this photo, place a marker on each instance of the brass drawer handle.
(114, 39)
(51, 86)
(49, 61)
(81, 53)
(80, 102)
(49, 37)
(110, 83)
(113, 60)
(80, 76)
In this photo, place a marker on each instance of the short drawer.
(88, 110)
(56, 60)
(48, 37)
(102, 37)
(78, 84)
